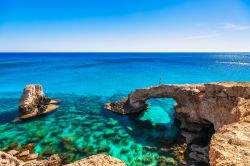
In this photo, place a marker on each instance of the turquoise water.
(81, 127)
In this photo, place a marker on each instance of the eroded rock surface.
(218, 103)
(9, 160)
(98, 160)
(224, 105)
(230, 145)
(54, 160)
(33, 102)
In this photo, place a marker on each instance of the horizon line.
(129, 52)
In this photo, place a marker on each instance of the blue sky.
(124, 25)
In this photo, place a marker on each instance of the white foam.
(236, 63)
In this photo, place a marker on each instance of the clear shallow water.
(86, 81)
(81, 127)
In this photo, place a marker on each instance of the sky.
(124, 25)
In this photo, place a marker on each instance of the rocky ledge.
(202, 109)
(98, 160)
(33, 102)
(95, 160)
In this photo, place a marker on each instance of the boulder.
(98, 160)
(32, 156)
(13, 152)
(24, 153)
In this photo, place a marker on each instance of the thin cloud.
(207, 36)
(236, 27)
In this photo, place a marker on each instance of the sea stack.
(33, 102)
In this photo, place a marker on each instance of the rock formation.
(9, 160)
(95, 160)
(33, 102)
(98, 160)
(225, 106)
(230, 145)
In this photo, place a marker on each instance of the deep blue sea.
(85, 81)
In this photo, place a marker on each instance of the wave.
(236, 63)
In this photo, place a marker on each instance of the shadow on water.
(8, 109)
(7, 117)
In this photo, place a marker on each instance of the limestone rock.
(98, 160)
(32, 156)
(24, 153)
(33, 102)
(230, 145)
(8, 160)
(13, 152)
(54, 160)
(218, 103)
(224, 105)
(31, 97)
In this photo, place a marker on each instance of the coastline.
(81, 127)
(211, 112)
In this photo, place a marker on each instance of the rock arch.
(223, 104)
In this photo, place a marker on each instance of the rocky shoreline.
(213, 118)
(201, 110)
(7, 159)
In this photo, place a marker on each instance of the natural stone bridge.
(226, 105)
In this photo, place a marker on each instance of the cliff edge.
(225, 105)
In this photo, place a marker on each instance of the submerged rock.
(147, 160)
(103, 149)
(124, 151)
(13, 146)
(66, 157)
(163, 161)
(33, 102)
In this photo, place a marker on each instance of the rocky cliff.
(218, 104)
(230, 145)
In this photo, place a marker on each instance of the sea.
(84, 82)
